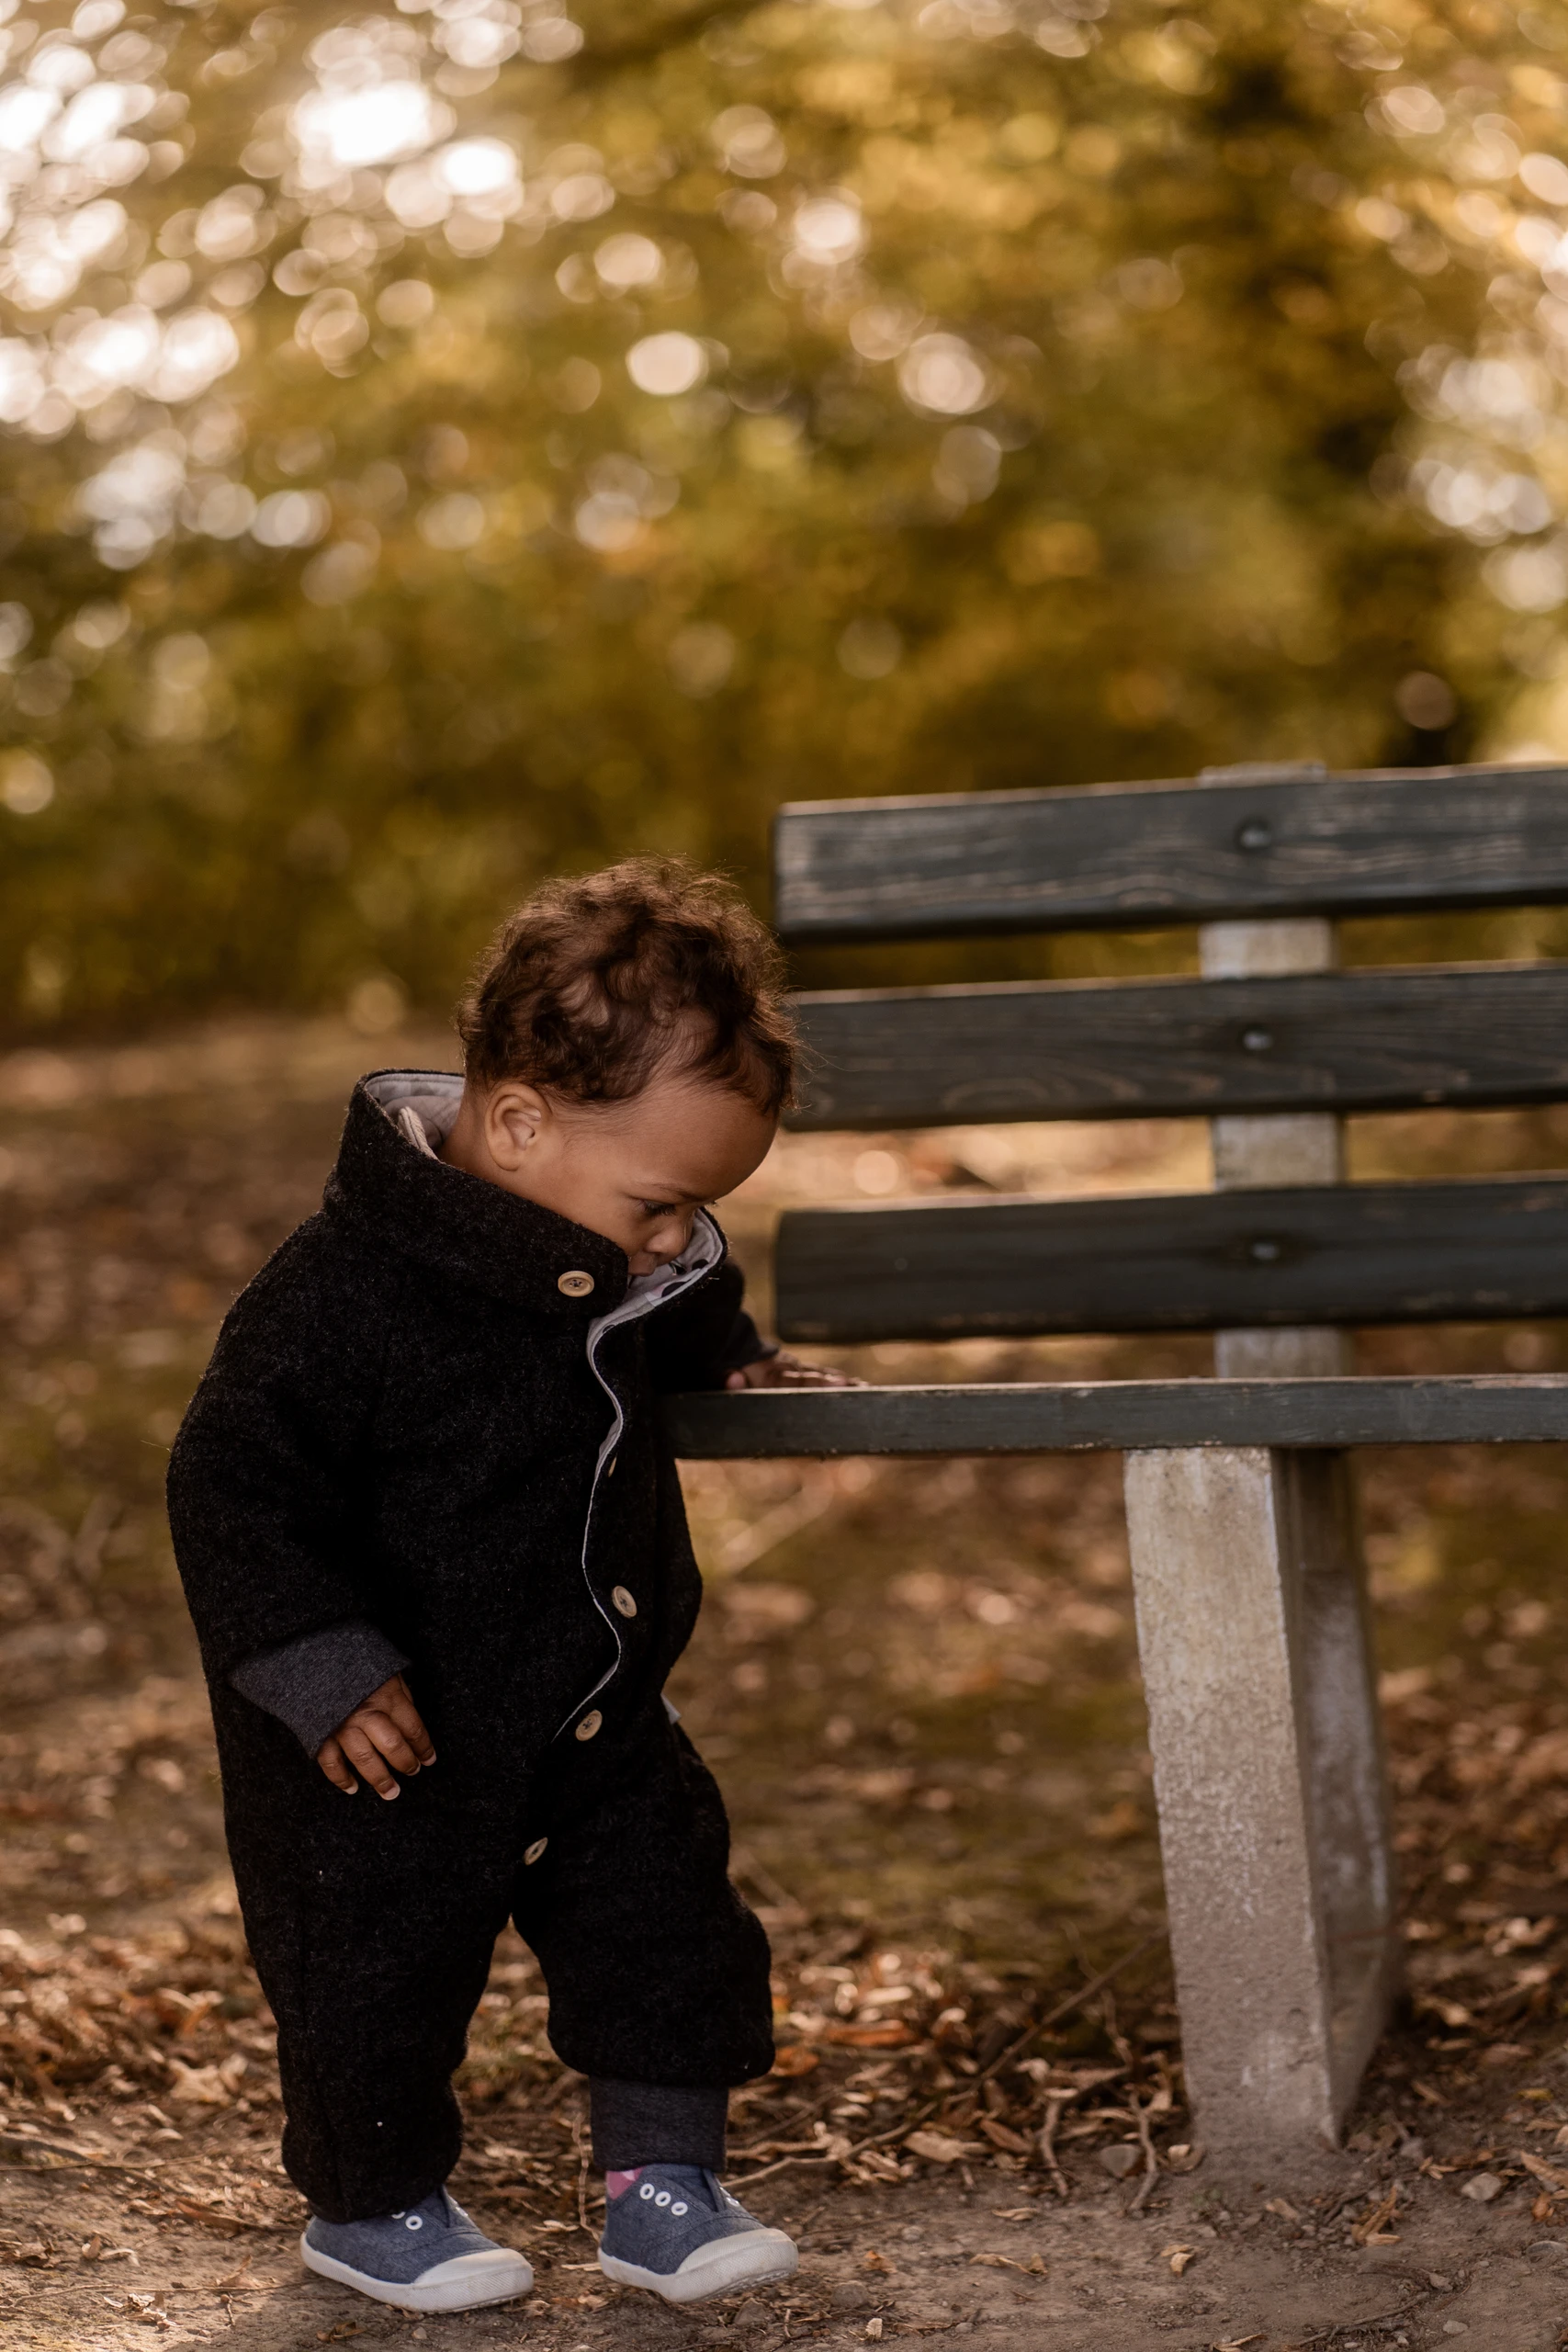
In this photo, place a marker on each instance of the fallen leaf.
(1000, 2136)
(1124, 1819)
(940, 2147)
(92, 2250)
(1453, 2014)
(340, 2332)
(1016, 2213)
(892, 2034)
(994, 2262)
(235, 2277)
(874, 2328)
(1425, 2090)
(1551, 2176)
(1285, 2209)
(796, 2058)
(1372, 2228)
(1181, 2157)
(1180, 2257)
(198, 2085)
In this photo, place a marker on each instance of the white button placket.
(705, 1251)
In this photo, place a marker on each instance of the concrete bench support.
(1254, 1633)
(1268, 1774)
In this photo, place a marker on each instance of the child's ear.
(516, 1116)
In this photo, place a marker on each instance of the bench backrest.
(1262, 843)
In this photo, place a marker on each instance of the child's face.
(635, 1172)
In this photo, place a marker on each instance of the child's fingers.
(363, 1740)
(386, 1735)
(406, 1716)
(787, 1371)
(331, 1758)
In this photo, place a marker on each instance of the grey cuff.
(645, 2123)
(311, 1683)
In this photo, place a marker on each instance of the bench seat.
(1124, 1415)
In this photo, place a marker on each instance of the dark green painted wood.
(1385, 840)
(1341, 1254)
(1114, 1416)
(1341, 1041)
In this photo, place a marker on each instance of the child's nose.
(670, 1237)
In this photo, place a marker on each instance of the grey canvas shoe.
(679, 2232)
(428, 2259)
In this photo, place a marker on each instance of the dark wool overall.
(403, 1453)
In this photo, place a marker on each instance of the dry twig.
(1054, 2109)
(1145, 2139)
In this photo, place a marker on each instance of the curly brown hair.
(600, 979)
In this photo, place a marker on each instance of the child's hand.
(383, 1729)
(786, 1371)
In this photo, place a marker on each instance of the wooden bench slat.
(1385, 840)
(1307, 1254)
(1116, 1416)
(1332, 1041)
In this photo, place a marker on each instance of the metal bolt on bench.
(1251, 1604)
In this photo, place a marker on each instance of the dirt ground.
(918, 1684)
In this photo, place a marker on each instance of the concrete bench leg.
(1252, 1625)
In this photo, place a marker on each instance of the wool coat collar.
(460, 1227)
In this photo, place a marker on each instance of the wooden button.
(624, 1601)
(589, 1724)
(533, 1852)
(575, 1283)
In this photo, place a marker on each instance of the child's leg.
(372, 1934)
(657, 1974)
(660, 1994)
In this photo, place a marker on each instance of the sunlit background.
(441, 446)
(446, 443)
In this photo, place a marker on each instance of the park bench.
(1250, 1593)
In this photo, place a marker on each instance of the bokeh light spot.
(829, 229)
(944, 375)
(667, 363)
(701, 657)
(871, 647)
(26, 787)
(452, 523)
(291, 518)
(1424, 700)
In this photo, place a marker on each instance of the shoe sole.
(445, 2295)
(756, 2258)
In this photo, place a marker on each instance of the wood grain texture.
(1331, 1041)
(1118, 1415)
(1385, 840)
(1350, 1254)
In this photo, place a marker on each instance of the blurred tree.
(452, 442)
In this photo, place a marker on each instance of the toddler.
(432, 1536)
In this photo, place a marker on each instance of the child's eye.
(658, 1208)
